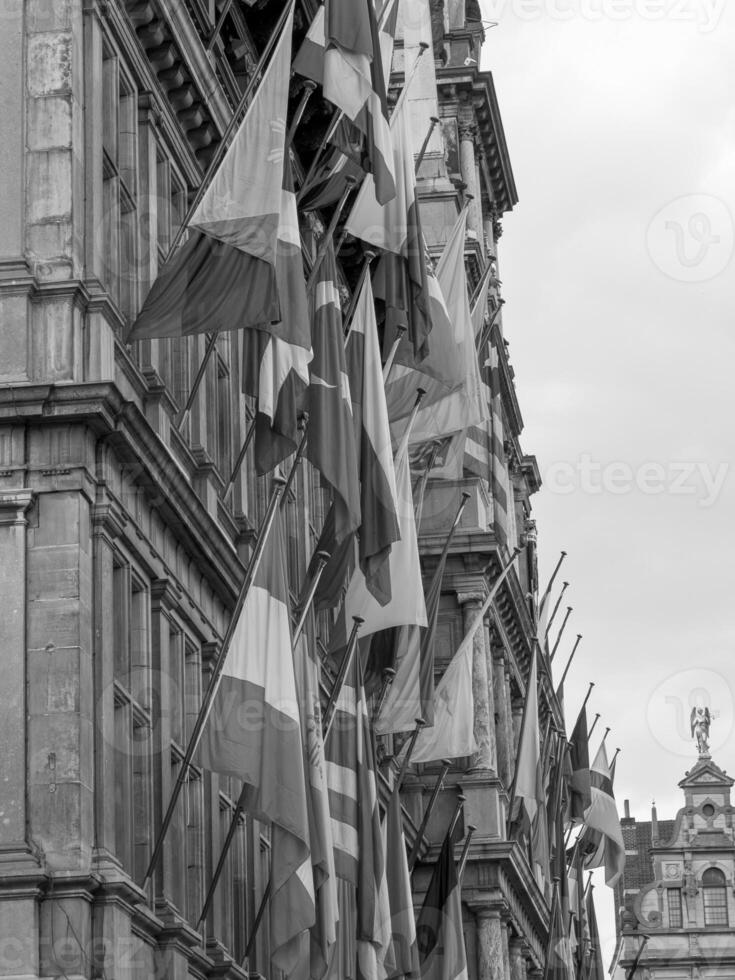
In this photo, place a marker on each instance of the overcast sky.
(619, 279)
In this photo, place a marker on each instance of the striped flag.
(439, 926)
(253, 733)
(455, 396)
(358, 844)
(602, 839)
(411, 695)
(344, 52)
(580, 793)
(324, 931)
(401, 279)
(243, 252)
(560, 961)
(403, 922)
(331, 443)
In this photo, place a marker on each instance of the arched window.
(715, 897)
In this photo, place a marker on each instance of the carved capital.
(14, 505)
(475, 599)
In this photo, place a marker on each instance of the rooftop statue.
(700, 721)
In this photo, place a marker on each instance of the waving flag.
(331, 442)
(243, 250)
(601, 840)
(455, 396)
(439, 926)
(580, 793)
(345, 52)
(528, 790)
(401, 279)
(253, 733)
(403, 921)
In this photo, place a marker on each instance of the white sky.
(619, 316)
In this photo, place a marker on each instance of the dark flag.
(580, 794)
(439, 925)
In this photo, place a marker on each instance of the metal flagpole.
(364, 272)
(571, 658)
(240, 807)
(425, 145)
(461, 799)
(388, 677)
(218, 26)
(208, 700)
(634, 968)
(194, 390)
(553, 577)
(587, 696)
(303, 425)
(406, 761)
(401, 330)
(561, 633)
(477, 291)
(423, 481)
(465, 851)
(322, 557)
(331, 709)
(249, 435)
(309, 89)
(258, 919)
(612, 761)
(594, 723)
(419, 839)
(487, 331)
(564, 587)
(330, 131)
(350, 182)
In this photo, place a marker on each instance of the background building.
(122, 545)
(677, 888)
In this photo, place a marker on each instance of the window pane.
(715, 906)
(675, 911)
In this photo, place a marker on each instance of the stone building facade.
(675, 899)
(122, 547)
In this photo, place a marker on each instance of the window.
(233, 924)
(675, 911)
(715, 898)
(119, 266)
(134, 709)
(219, 416)
(187, 826)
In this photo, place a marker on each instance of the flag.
(455, 395)
(560, 963)
(243, 251)
(406, 605)
(403, 922)
(580, 794)
(331, 442)
(358, 843)
(528, 757)
(253, 733)
(324, 931)
(602, 838)
(595, 968)
(329, 181)
(401, 279)
(499, 478)
(411, 695)
(439, 926)
(344, 52)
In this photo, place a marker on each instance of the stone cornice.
(13, 507)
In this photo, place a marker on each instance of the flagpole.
(552, 917)
(386, 681)
(423, 480)
(309, 89)
(461, 799)
(587, 697)
(240, 459)
(208, 700)
(634, 968)
(465, 852)
(218, 26)
(420, 392)
(405, 762)
(322, 558)
(594, 723)
(612, 761)
(303, 425)
(477, 291)
(350, 182)
(419, 839)
(258, 919)
(571, 658)
(331, 708)
(561, 633)
(194, 391)
(564, 587)
(369, 256)
(401, 330)
(487, 331)
(553, 577)
(425, 145)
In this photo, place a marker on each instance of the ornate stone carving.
(700, 720)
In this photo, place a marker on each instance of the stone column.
(489, 945)
(506, 950)
(517, 960)
(471, 603)
(467, 129)
(504, 743)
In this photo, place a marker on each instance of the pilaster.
(471, 603)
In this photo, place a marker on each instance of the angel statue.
(700, 722)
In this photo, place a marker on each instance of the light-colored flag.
(253, 733)
(407, 605)
(601, 821)
(529, 753)
(324, 931)
(243, 251)
(403, 921)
